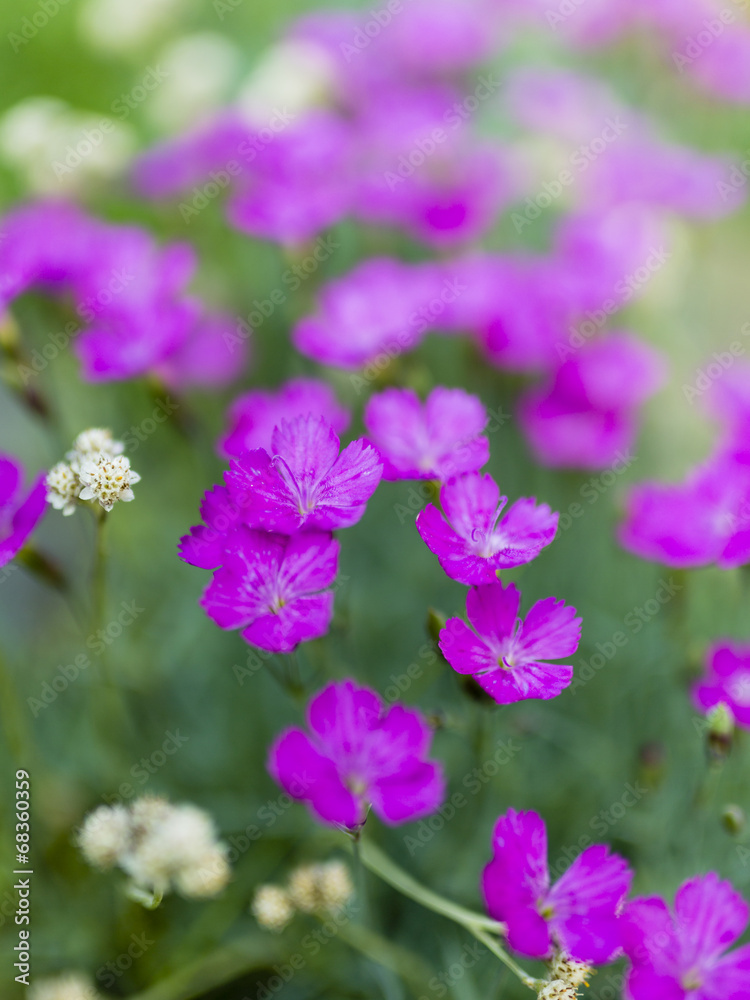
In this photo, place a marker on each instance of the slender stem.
(476, 923)
(382, 866)
(410, 967)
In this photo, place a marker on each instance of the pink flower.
(704, 520)
(273, 588)
(207, 545)
(359, 754)
(727, 680)
(471, 540)
(304, 481)
(254, 416)
(585, 416)
(580, 913)
(506, 655)
(435, 440)
(374, 310)
(683, 956)
(20, 512)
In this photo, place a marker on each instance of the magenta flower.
(727, 680)
(704, 520)
(20, 512)
(506, 655)
(586, 415)
(684, 956)
(579, 914)
(274, 588)
(254, 416)
(439, 439)
(304, 481)
(359, 753)
(207, 545)
(374, 310)
(472, 541)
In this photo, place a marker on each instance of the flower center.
(691, 981)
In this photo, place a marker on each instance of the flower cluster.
(135, 317)
(68, 986)
(318, 888)
(95, 470)
(268, 532)
(160, 846)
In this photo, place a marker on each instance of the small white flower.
(320, 887)
(63, 487)
(105, 835)
(558, 990)
(206, 877)
(572, 972)
(272, 907)
(107, 479)
(69, 986)
(336, 885)
(91, 443)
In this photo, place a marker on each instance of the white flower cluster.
(96, 469)
(311, 889)
(159, 845)
(69, 986)
(565, 976)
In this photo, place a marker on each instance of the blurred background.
(153, 68)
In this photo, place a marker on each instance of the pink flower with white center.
(304, 481)
(727, 680)
(472, 540)
(274, 588)
(579, 914)
(505, 654)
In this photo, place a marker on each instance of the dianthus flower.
(580, 913)
(304, 481)
(507, 655)
(374, 310)
(683, 956)
(273, 587)
(359, 753)
(254, 416)
(472, 540)
(437, 439)
(704, 520)
(726, 681)
(20, 511)
(586, 415)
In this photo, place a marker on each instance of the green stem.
(410, 967)
(476, 923)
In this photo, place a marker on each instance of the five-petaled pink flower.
(579, 914)
(683, 956)
(471, 539)
(19, 513)
(359, 753)
(439, 439)
(506, 655)
(274, 588)
(304, 481)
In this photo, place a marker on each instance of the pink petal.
(729, 978)
(710, 915)
(417, 790)
(530, 680)
(348, 486)
(549, 631)
(465, 651)
(304, 773)
(301, 620)
(493, 609)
